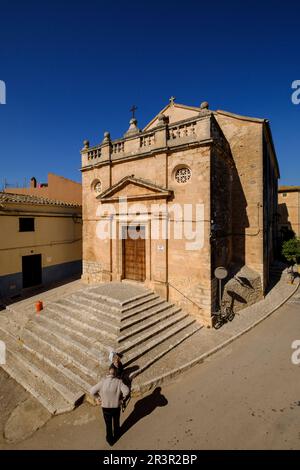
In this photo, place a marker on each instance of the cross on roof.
(172, 99)
(133, 110)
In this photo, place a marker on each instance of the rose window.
(182, 175)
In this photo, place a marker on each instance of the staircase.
(59, 354)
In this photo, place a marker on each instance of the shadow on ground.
(32, 291)
(144, 407)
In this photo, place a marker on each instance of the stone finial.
(86, 144)
(133, 129)
(106, 137)
(172, 99)
(163, 119)
(204, 105)
(204, 109)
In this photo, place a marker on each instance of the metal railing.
(184, 295)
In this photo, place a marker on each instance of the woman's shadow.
(142, 408)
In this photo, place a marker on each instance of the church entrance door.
(134, 253)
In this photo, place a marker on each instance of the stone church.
(165, 205)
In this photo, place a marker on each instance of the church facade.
(165, 205)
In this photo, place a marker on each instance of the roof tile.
(11, 198)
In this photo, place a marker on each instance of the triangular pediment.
(174, 112)
(133, 188)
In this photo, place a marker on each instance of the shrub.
(291, 250)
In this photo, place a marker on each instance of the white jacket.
(111, 390)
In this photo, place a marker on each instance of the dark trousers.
(112, 421)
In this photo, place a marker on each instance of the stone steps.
(158, 351)
(77, 335)
(59, 394)
(9, 323)
(139, 317)
(66, 318)
(129, 308)
(50, 399)
(94, 305)
(134, 314)
(83, 354)
(36, 365)
(131, 317)
(98, 309)
(156, 325)
(70, 338)
(134, 350)
(93, 308)
(141, 302)
(62, 361)
(137, 299)
(86, 341)
(60, 353)
(117, 303)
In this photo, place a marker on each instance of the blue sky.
(74, 68)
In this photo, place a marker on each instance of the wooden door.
(134, 254)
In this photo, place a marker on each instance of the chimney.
(33, 182)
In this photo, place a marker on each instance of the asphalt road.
(247, 396)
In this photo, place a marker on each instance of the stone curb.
(145, 387)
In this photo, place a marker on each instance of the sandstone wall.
(245, 140)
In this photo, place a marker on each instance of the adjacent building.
(40, 242)
(289, 210)
(194, 190)
(57, 187)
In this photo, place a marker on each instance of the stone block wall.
(91, 271)
(245, 139)
(243, 290)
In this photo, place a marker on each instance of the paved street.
(245, 397)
